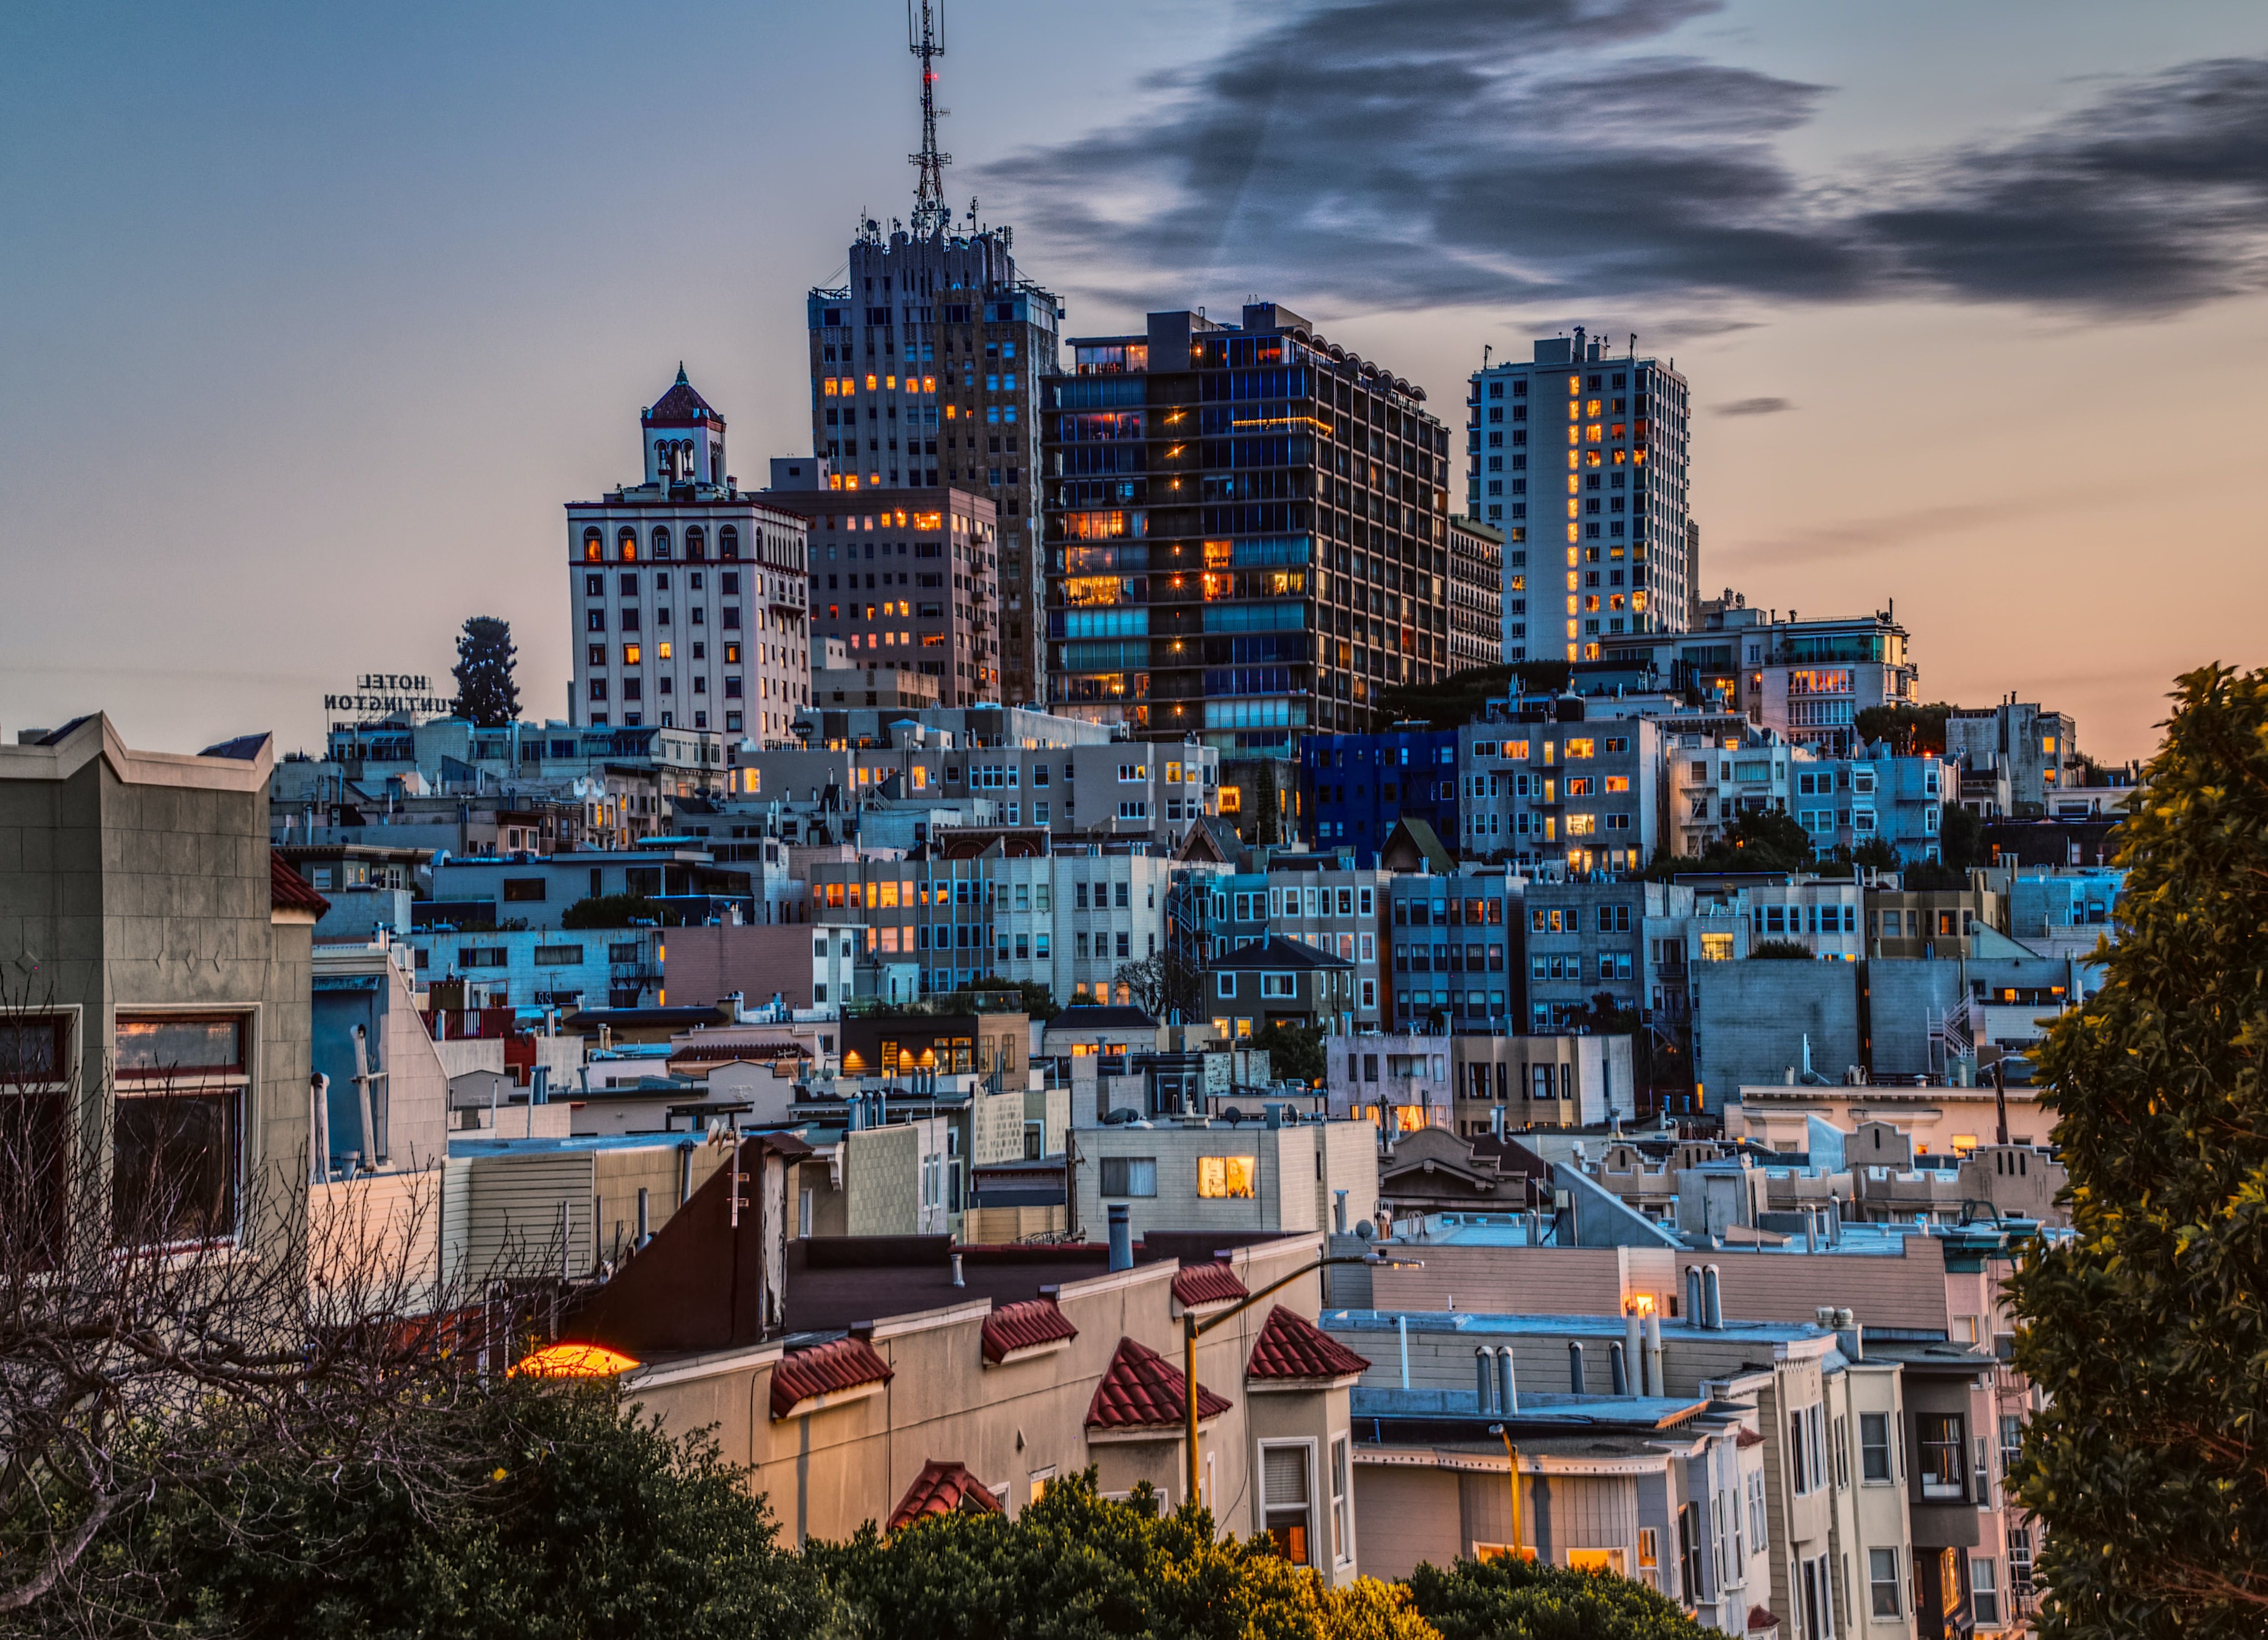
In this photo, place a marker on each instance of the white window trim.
(1306, 1443)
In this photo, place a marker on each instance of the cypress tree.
(486, 690)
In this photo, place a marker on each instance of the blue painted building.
(1360, 784)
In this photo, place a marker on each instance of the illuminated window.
(731, 654)
(593, 546)
(1617, 783)
(626, 546)
(1219, 1177)
(1582, 747)
(631, 656)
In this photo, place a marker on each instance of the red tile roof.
(943, 1489)
(846, 1364)
(1197, 1285)
(1292, 1347)
(1141, 1391)
(288, 891)
(1749, 1438)
(1760, 1617)
(1025, 1325)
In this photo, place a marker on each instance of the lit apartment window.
(1941, 1443)
(1284, 1494)
(1221, 1177)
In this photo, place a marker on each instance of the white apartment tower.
(688, 591)
(1579, 457)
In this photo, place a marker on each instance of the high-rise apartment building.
(1247, 531)
(687, 591)
(1476, 590)
(931, 554)
(926, 365)
(1579, 457)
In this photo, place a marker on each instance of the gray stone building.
(158, 960)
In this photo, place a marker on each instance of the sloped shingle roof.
(1211, 1283)
(680, 403)
(1025, 1325)
(1276, 952)
(1141, 1391)
(1291, 1348)
(846, 1364)
(943, 1489)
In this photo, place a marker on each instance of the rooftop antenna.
(1487, 348)
(923, 40)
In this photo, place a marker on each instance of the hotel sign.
(376, 693)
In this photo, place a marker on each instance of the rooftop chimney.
(1121, 1238)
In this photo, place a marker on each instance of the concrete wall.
(132, 880)
(707, 964)
(1288, 1195)
(1881, 1292)
(881, 1181)
(1558, 1281)
(1750, 1018)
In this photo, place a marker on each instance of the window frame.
(145, 1089)
(1877, 1586)
(1130, 1172)
(1938, 1491)
(1300, 1552)
(1868, 1450)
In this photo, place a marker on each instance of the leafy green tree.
(1912, 730)
(1780, 950)
(487, 692)
(571, 1521)
(1503, 1599)
(1444, 703)
(1295, 1052)
(992, 994)
(1875, 854)
(619, 911)
(2148, 1330)
(1771, 839)
(1077, 1566)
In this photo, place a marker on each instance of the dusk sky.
(312, 317)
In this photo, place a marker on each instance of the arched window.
(696, 543)
(728, 543)
(660, 543)
(594, 545)
(626, 545)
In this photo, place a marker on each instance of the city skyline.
(312, 330)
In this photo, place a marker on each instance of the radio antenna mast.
(924, 37)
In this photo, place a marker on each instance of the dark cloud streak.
(1391, 154)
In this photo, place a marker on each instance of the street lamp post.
(1192, 1329)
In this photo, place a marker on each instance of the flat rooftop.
(1606, 1328)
